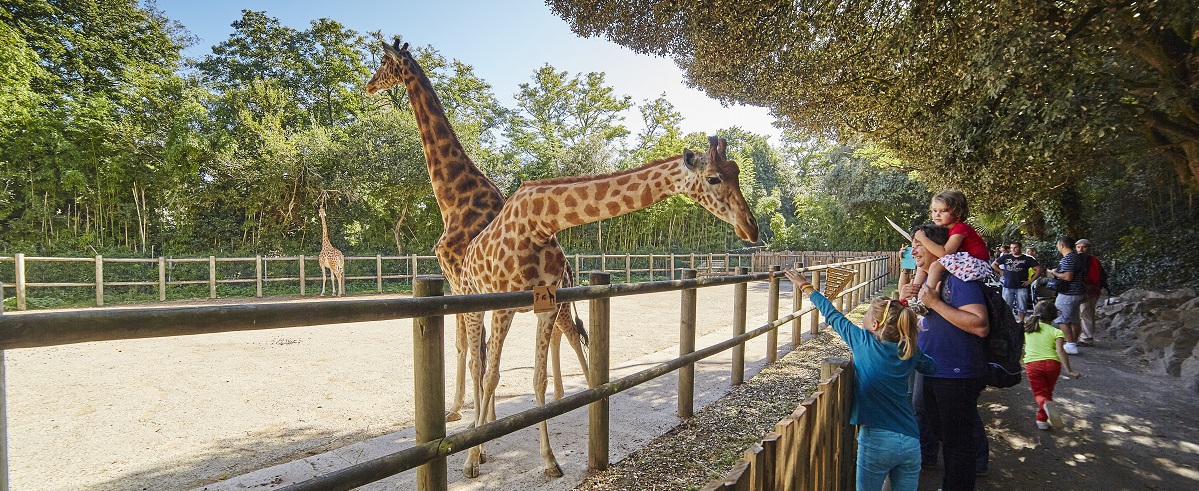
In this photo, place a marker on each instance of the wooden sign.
(545, 298)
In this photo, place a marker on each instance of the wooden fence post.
(814, 326)
(379, 272)
(796, 327)
(740, 300)
(687, 345)
(3, 424)
(428, 353)
(628, 268)
(211, 276)
(258, 276)
(597, 412)
(302, 280)
(671, 267)
(3, 408)
(99, 280)
(772, 314)
(162, 279)
(651, 266)
(20, 272)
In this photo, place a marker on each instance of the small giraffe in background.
(517, 251)
(468, 201)
(332, 259)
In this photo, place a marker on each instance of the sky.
(505, 41)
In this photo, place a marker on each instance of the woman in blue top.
(884, 355)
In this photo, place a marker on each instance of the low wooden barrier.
(812, 449)
(427, 308)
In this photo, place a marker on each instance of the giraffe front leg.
(545, 327)
(556, 360)
(455, 412)
(567, 325)
(474, 341)
(322, 280)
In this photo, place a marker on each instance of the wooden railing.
(161, 273)
(37, 329)
(812, 448)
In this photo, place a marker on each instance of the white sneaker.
(1043, 425)
(1071, 349)
(1055, 414)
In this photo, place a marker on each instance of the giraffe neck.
(553, 205)
(451, 171)
(325, 244)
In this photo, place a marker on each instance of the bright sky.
(505, 41)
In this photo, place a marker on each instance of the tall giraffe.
(468, 201)
(332, 259)
(517, 250)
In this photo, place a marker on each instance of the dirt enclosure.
(191, 411)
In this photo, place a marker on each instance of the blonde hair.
(896, 323)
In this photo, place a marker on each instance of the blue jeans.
(947, 411)
(883, 453)
(1018, 299)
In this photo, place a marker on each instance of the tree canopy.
(1013, 101)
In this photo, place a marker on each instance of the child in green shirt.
(1044, 358)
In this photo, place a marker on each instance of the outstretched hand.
(796, 276)
(799, 280)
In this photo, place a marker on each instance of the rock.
(1181, 294)
(1123, 325)
(1178, 351)
(1153, 338)
(1191, 304)
(1137, 295)
(1190, 373)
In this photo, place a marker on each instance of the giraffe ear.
(689, 159)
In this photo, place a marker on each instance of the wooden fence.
(161, 273)
(38, 329)
(813, 448)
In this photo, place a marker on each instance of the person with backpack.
(947, 401)
(884, 355)
(1072, 270)
(1093, 284)
(1044, 358)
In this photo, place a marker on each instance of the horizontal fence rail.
(166, 274)
(39, 329)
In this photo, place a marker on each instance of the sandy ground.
(192, 411)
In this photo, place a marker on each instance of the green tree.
(1011, 101)
(565, 125)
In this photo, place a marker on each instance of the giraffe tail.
(567, 282)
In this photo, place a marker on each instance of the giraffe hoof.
(452, 416)
(470, 471)
(555, 472)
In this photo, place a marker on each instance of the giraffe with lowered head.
(332, 259)
(468, 201)
(517, 250)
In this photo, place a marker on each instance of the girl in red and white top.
(965, 255)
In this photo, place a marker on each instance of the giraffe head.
(714, 185)
(396, 62)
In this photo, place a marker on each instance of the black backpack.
(1004, 344)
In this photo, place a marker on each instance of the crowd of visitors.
(948, 297)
